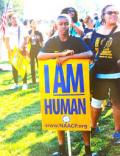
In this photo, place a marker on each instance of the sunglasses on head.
(112, 12)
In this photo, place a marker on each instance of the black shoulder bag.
(96, 58)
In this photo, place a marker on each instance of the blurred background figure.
(36, 42)
(15, 37)
(26, 24)
(88, 28)
(89, 25)
(76, 28)
(53, 30)
(97, 22)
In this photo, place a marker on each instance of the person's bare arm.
(24, 47)
(84, 55)
(7, 45)
(78, 29)
(45, 56)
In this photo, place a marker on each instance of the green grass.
(20, 125)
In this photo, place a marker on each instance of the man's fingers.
(70, 52)
(58, 62)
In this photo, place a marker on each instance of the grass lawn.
(20, 125)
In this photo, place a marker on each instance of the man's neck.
(64, 37)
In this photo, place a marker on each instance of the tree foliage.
(1, 7)
(17, 6)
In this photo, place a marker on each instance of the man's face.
(63, 26)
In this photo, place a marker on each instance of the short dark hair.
(65, 11)
(25, 22)
(64, 16)
(31, 20)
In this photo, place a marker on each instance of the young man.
(64, 46)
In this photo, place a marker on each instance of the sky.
(50, 9)
(45, 9)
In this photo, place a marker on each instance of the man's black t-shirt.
(54, 44)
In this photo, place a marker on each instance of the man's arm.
(78, 29)
(84, 55)
(7, 45)
(45, 56)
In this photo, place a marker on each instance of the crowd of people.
(92, 38)
(17, 35)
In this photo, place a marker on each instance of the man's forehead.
(63, 20)
(63, 17)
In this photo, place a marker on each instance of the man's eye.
(63, 24)
(67, 23)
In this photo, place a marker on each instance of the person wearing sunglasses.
(76, 28)
(107, 68)
(112, 12)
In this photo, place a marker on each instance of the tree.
(2, 3)
(17, 6)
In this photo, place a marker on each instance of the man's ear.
(55, 26)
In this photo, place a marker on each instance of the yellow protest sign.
(65, 95)
(20, 62)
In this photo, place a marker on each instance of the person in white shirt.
(15, 37)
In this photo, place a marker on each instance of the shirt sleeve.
(81, 46)
(85, 46)
(47, 48)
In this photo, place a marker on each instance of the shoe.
(57, 154)
(24, 87)
(15, 86)
(61, 152)
(91, 154)
(116, 138)
(95, 131)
